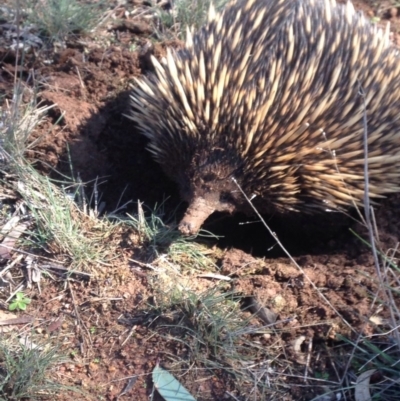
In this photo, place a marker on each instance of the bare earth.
(89, 82)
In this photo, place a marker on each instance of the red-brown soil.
(89, 83)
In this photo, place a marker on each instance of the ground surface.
(89, 81)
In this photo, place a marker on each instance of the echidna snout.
(209, 194)
(197, 212)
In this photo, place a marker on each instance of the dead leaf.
(266, 315)
(55, 325)
(376, 320)
(361, 392)
(11, 238)
(296, 344)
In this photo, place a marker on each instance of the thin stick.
(367, 204)
(290, 256)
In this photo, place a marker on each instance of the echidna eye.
(226, 197)
(210, 177)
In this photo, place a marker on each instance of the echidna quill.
(273, 93)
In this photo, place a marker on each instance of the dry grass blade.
(17, 122)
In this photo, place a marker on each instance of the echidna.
(273, 93)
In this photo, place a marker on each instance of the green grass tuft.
(59, 19)
(24, 371)
(186, 14)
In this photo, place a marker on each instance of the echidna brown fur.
(273, 93)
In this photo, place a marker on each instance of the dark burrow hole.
(132, 174)
(300, 235)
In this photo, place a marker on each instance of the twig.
(290, 256)
(77, 313)
(80, 78)
(367, 204)
(368, 210)
(309, 353)
(370, 219)
(131, 331)
(17, 48)
(17, 320)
